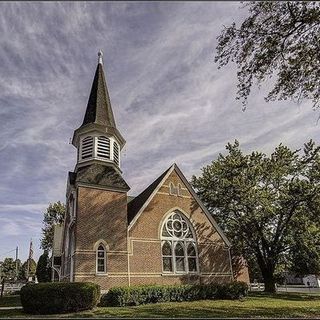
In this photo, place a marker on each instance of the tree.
(32, 265)
(263, 203)
(305, 253)
(280, 39)
(54, 215)
(43, 270)
(8, 268)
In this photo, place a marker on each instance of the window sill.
(101, 274)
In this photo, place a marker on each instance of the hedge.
(136, 295)
(59, 297)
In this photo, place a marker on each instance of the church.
(164, 235)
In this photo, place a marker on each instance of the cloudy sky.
(170, 101)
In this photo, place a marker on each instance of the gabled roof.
(139, 203)
(136, 204)
(99, 109)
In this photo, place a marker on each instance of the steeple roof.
(99, 115)
(99, 108)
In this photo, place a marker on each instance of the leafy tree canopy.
(32, 265)
(279, 39)
(267, 205)
(8, 268)
(54, 215)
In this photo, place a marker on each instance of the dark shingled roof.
(99, 109)
(135, 205)
(101, 175)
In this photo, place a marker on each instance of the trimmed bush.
(59, 297)
(136, 295)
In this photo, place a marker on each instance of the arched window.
(87, 148)
(179, 189)
(116, 153)
(179, 247)
(103, 147)
(101, 259)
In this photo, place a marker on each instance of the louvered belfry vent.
(103, 147)
(116, 153)
(87, 148)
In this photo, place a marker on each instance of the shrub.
(58, 297)
(136, 295)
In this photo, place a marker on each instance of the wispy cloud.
(170, 101)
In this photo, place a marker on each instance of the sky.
(171, 102)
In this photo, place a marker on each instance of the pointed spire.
(99, 108)
(100, 55)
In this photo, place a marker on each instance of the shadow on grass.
(293, 296)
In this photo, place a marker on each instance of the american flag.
(30, 250)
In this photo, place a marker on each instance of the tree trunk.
(269, 283)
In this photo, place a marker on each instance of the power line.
(2, 254)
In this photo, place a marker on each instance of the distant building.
(165, 235)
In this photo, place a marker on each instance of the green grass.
(256, 305)
(10, 301)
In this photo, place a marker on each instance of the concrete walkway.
(11, 308)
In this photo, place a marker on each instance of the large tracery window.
(179, 247)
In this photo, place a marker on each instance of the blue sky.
(170, 101)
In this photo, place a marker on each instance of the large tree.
(263, 202)
(54, 215)
(279, 39)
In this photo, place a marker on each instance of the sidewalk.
(11, 308)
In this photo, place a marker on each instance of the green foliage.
(136, 295)
(54, 215)
(43, 270)
(279, 39)
(304, 253)
(58, 297)
(32, 265)
(8, 268)
(263, 203)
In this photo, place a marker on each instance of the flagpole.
(29, 259)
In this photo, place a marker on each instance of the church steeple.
(98, 139)
(99, 108)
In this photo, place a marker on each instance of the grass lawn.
(256, 305)
(10, 301)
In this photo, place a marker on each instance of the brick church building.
(165, 235)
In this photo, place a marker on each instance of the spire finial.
(100, 55)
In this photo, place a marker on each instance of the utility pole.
(17, 253)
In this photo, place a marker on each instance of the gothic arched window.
(179, 246)
(101, 259)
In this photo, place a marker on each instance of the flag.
(31, 250)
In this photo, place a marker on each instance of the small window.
(173, 190)
(87, 148)
(179, 190)
(116, 153)
(103, 150)
(101, 259)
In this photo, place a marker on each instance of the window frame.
(173, 240)
(104, 258)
